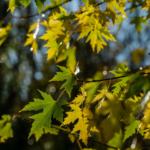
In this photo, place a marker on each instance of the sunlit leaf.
(4, 33)
(5, 128)
(44, 130)
(65, 75)
(49, 106)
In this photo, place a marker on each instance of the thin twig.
(6, 18)
(139, 115)
(113, 78)
(109, 84)
(79, 144)
(102, 144)
(61, 94)
(16, 23)
(95, 87)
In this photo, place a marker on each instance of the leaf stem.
(60, 95)
(79, 144)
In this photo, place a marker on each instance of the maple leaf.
(121, 70)
(71, 137)
(44, 130)
(17, 3)
(119, 84)
(130, 130)
(147, 132)
(86, 2)
(49, 106)
(4, 33)
(92, 87)
(116, 141)
(39, 4)
(138, 23)
(93, 28)
(146, 119)
(31, 39)
(68, 54)
(65, 75)
(82, 125)
(5, 128)
(137, 55)
(55, 29)
(80, 98)
(99, 96)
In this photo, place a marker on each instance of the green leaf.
(139, 83)
(17, 3)
(49, 106)
(122, 70)
(65, 75)
(44, 130)
(86, 2)
(138, 23)
(137, 55)
(39, 4)
(119, 84)
(116, 141)
(92, 87)
(5, 128)
(130, 130)
(70, 55)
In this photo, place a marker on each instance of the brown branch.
(102, 144)
(139, 115)
(79, 144)
(6, 18)
(113, 78)
(60, 95)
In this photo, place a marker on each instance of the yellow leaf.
(31, 41)
(83, 117)
(30, 38)
(32, 27)
(80, 98)
(94, 129)
(99, 96)
(44, 23)
(4, 33)
(71, 137)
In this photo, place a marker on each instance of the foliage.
(106, 107)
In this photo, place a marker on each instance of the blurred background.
(22, 73)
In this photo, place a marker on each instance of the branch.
(27, 17)
(102, 144)
(60, 95)
(113, 78)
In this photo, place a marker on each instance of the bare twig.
(61, 94)
(102, 144)
(79, 144)
(113, 78)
